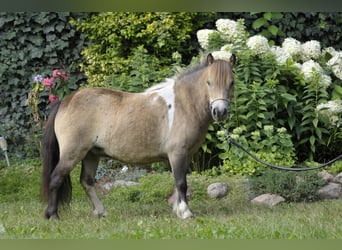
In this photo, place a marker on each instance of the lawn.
(142, 212)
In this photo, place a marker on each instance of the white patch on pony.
(166, 91)
(182, 210)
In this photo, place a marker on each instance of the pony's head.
(220, 81)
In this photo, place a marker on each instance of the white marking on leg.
(182, 210)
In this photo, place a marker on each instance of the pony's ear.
(232, 59)
(210, 59)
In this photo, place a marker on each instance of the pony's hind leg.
(88, 172)
(59, 188)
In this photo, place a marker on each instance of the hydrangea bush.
(295, 87)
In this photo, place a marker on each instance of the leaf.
(315, 122)
(273, 29)
(337, 92)
(277, 15)
(261, 115)
(259, 23)
(268, 16)
(312, 140)
(289, 97)
(291, 122)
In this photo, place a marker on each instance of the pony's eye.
(208, 82)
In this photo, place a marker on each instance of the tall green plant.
(280, 86)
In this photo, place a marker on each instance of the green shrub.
(269, 144)
(282, 87)
(129, 49)
(294, 187)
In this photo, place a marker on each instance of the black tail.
(50, 154)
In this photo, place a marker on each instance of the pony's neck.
(194, 89)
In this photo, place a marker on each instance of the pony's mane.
(166, 83)
(182, 73)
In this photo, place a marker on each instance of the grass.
(142, 212)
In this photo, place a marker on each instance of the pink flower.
(53, 98)
(48, 83)
(60, 74)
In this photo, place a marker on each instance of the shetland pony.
(167, 122)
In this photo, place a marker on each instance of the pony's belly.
(129, 150)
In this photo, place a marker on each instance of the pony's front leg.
(179, 168)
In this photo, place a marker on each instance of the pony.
(167, 122)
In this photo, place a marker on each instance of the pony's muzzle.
(219, 109)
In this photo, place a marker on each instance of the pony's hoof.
(51, 216)
(100, 214)
(186, 215)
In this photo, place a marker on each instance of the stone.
(338, 178)
(104, 186)
(268, 199)
(217, 190)
(326, 176)
(110, 185)
(330, 191)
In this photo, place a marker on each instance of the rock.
(110, 185)
(330, 191)
(217, 190)
(338, 178)
(326, 176)
(105, 186)
(268, 199)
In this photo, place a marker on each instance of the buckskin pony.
(167, 122)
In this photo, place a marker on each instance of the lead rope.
(294, 168)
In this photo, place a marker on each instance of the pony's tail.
(50, 155)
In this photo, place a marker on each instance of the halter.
(218, 99)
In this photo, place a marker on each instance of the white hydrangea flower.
(258, 44)
(203, 37)
(226, 26)
(331, 111)
(222, 55)
(280, 54)
(311, 50)
(232, 31)
(325, 80)
(335, 64)
(228, 47)
(292, 46)
(282, 130)
(330, 50)
(309, 69)
(298, 65)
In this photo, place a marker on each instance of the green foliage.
(152, 188)
(130, 51)
(271, 145)
(303, 26)
(271, 89)
(294, 187)
(32, 43)
(268, 24)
